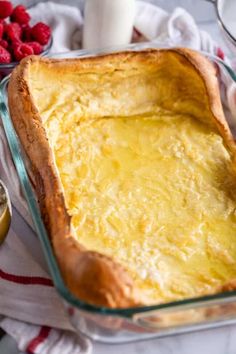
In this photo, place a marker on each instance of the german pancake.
(134, 165)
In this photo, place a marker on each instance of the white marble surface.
(216, 341)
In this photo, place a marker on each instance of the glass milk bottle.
(108, 23)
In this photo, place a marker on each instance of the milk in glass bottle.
(108, 23)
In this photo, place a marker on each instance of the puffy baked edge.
(91, 276)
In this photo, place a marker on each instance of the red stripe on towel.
(27, 280)
(43, 334)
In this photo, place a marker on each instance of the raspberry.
(13, 31)
(3, 43)
(20, 15)
(41, 33)
(37, 48)
(5, 56)
(15, 43)
(22, 50)
(6, 8)
(220, 53)
(1, 29)
(4, 23)
(26, 33)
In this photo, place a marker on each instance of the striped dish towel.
(35, 314)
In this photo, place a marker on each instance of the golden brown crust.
(93, 277)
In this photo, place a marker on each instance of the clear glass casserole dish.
(129, 324)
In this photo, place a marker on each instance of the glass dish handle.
(186, 315)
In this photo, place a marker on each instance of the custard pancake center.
(155, 193)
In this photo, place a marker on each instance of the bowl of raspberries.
(18, 38)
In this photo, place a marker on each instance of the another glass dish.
(119, 325)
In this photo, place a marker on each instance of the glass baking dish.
(129, 324)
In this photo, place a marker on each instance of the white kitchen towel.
(45, 340)
(30, 310)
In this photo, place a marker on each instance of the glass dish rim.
(58, 281)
